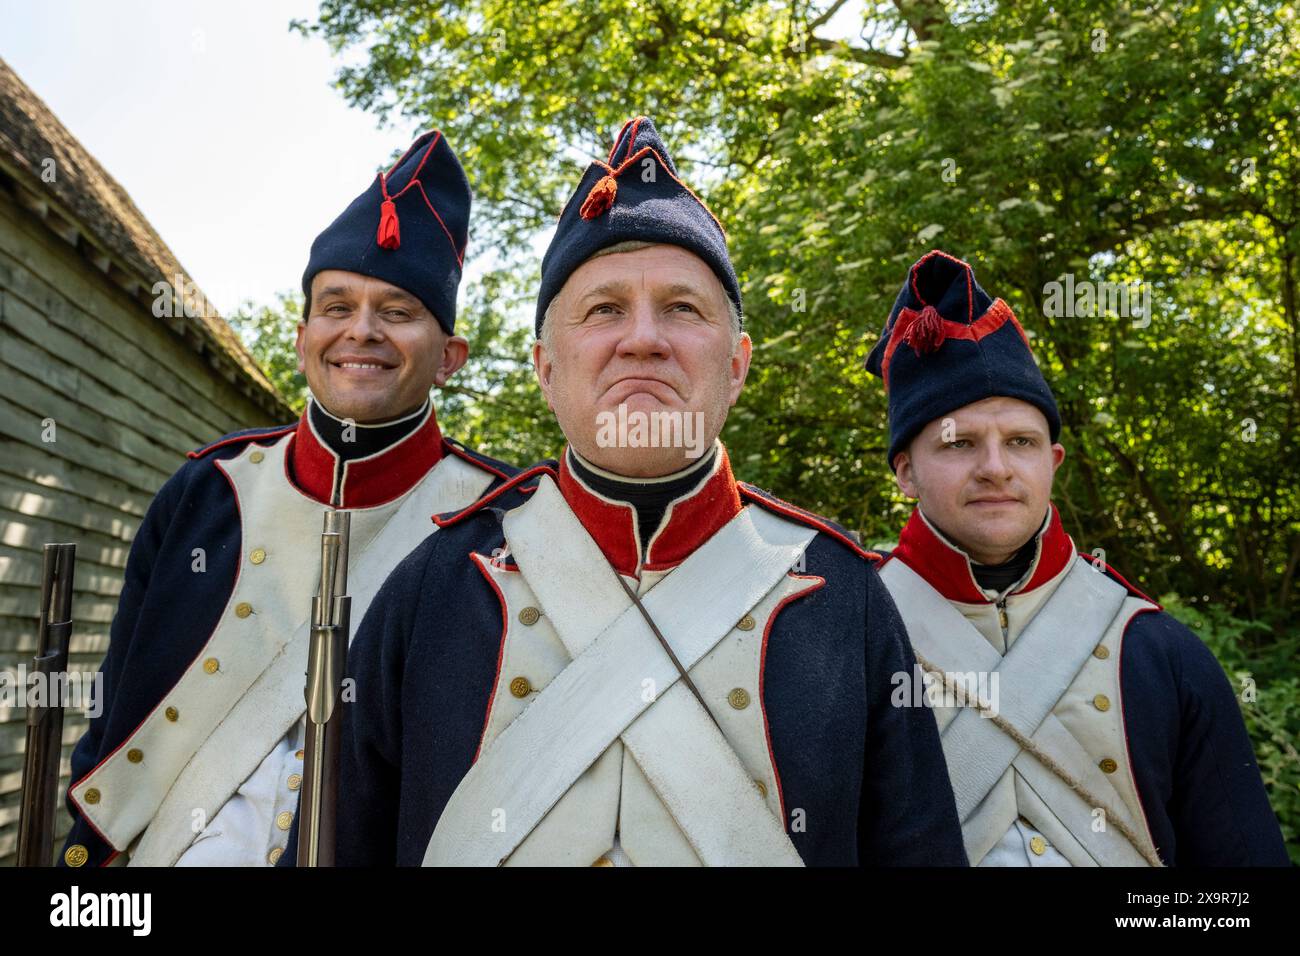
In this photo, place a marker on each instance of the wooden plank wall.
(128, 400)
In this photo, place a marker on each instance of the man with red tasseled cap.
(1082, 725)
(197, 757)
(633, 671)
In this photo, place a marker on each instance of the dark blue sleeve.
(1195, 767)
(145, 547)
(908, 816)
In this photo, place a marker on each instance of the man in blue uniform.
(627, 656)
(1082, 725)
(196, 758)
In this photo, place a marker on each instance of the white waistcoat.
(612, 813)
(1022, 821)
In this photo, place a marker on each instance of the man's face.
(648, 329)
(370, 350)
(983, 475)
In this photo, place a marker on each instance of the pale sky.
(222, 125)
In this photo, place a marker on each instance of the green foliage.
(1261, 665)
(269, 332)
(494, 404)
(1102, 139)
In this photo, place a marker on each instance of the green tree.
(268, 332)
(1106, 140)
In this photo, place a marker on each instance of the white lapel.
(253, 724)
(993, 780)
(528, 768)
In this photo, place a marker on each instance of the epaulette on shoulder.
(242, 438)
(776, 505)
(501, 469)
(525, 482)
(1117, 577)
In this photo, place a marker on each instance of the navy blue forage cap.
(948, 344)
(635, 195)
(408, 228)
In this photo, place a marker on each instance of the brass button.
(211, 665)
(746, 623)
(300, 754)
(529, 616)
(520, 687)
(738, 698)
(256, 457)
(284, 819)
(1108, 766)
(1038, 845)
(76, 855)
(92, 796)
(603, 861)
(274, 856)
(295, 781)
(1101, 702)
(258, 555)
(135, 755)
(762, 788)
(243, 609)
(172, 714)
(1101, 652)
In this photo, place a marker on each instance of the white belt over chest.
(614, 735)
(1046, 681)
(244, 690)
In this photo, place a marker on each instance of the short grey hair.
(632, 245)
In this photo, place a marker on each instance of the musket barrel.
(45, 721)
(326, 665)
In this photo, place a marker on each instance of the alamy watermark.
(1065, 297)
(946, 689)
(80, 690)
(625, 429)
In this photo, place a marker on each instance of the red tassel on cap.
(390, 233)
(600, 198)
(926, 334)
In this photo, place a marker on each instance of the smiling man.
(1098, 730)
(197, 757)
(612, 662)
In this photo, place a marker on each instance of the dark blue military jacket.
(869, 776)
(170, 605)
(1192, 761)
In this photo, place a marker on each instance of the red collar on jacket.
(947, 568)
(690, 520)
(363, 482)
